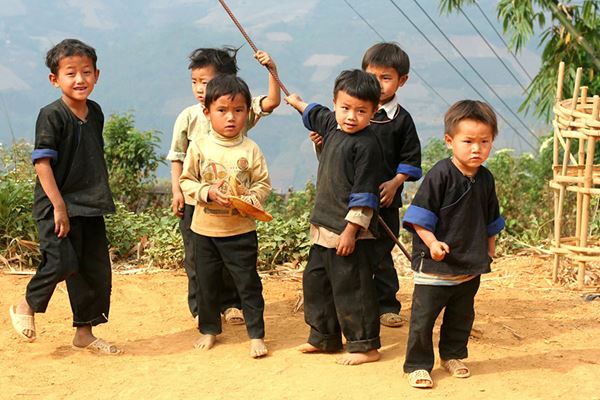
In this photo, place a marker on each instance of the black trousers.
(81, 259)
(237, 254)
(386, 277)
(229, 295)
(339, 297)
(459, 314)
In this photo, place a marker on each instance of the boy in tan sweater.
(217, 166)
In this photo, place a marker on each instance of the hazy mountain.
(143, 47)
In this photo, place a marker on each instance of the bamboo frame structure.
(575, 119)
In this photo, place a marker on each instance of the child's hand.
(215, 194)
(178, 203)
(265, 59)
(438, 250)
(316, 138)
(345, 246)
(387, 192)
(61, 223)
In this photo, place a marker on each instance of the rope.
(251, 43)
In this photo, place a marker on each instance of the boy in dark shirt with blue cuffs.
(339, 292)
(71, 197)
(455, 218)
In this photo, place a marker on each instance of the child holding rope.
(395, 130)
(338, 286)
(218, 165)
(205, 64)
(454, 218)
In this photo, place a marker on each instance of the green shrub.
(131, 157)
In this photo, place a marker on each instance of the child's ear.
(448, 140)
(53, 80)
(97, 74)
(206, 112)
(402, 80)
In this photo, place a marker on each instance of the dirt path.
(535, 342)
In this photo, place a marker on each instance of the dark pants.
(339, 297)
(229, 295)
(237, 254)
(81, 259)
(386, 277)
(428, 302)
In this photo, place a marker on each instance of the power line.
(473, 68)
(492, 49)
(460, 74)
(383, 39)
(503, 41)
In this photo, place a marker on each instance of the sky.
(143, 46)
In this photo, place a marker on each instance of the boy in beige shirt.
(216, 166)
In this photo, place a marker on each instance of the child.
(396, 132)
(454, 218)
(224, 237)
(71, 197)
(339, 292)
(191, 123)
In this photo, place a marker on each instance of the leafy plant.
(131, 157)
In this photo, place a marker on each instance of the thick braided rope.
(243, 32)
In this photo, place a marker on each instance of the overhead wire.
(489, 45)
(461, 75)
(383, 39)
(503, 41)
(515, 115)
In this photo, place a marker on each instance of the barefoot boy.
(395, 130)
(217, 165)
(191, 123)
(339, 292)
(454, 218)
(71, 197)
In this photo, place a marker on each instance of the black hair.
(222, 59)
(470, 109)
(359, 84)
(226, 85)
(387, 54)
(69, 48)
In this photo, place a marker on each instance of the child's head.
(390, 65)
(227, 104)
(206, 63)
(72, 65)
(355, 98)
(470, 128)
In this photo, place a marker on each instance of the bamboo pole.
(555, 156)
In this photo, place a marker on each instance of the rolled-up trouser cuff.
(102, 319)
(329, 343)
(362, 346)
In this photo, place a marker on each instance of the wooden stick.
(394, 238)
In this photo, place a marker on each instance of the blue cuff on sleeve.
(495, 227)
(414, 173)
(43, 153)
(306, 116)
(363, 200)
(419, 216)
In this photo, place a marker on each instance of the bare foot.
(258, 348)
(206, 342)
(359, 358)
(308, 348)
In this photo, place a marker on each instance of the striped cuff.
(414, 173)
(363, 200)
(419, 216)
(43, 153)
(495, 227)
(306, 116)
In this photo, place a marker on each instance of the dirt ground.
(531, 341)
